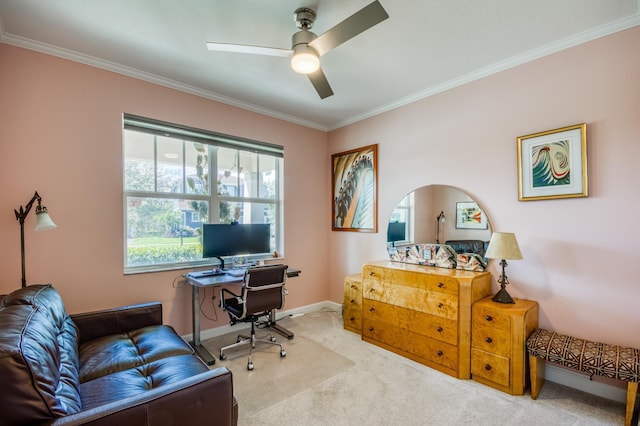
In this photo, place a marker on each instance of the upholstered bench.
(593, 358)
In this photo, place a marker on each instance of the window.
(404, 213)
(177, 178)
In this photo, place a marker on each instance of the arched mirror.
(439, 214)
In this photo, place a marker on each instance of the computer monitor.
(396, 232)
(221, 240)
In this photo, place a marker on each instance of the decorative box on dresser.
(499, 333)
(422, 312)
(352, 307)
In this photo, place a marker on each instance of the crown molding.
(512, 62)
(70, 55)
(509, 63)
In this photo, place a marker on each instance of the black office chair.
(262, 291)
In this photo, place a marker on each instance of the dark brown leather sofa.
(114, 367)
(469, 246)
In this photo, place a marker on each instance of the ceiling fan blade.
(360, 21)
(246, 48)
(321, 84)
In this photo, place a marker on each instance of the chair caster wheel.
(273, 339)
(222, 356)
(283, 354)
(250, 366)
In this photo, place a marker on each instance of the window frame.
(407, 206)
(213, 141)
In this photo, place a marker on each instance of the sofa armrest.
(117, 320)
(204, 399)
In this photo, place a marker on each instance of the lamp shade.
(305, 60)
(503, 245)
(44, 221)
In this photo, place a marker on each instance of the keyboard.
(209, 273)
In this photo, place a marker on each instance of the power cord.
(213, 299)
(178, 284)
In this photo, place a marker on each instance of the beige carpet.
(331, 377)
(275, 378)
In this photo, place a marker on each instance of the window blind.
(161, 128)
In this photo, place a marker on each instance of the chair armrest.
(224, 292)
(117, 320)
(206, 398)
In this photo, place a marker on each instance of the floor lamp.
(440, 219)
(43, 223)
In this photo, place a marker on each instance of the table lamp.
(43, 223)
(503, 245)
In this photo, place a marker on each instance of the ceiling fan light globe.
(305, 63)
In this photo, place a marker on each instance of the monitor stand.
(221, 266)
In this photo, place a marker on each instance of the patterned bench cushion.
(593, 358)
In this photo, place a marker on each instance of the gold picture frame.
(553, 164)
(354, 190)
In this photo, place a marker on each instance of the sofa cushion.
(127, 383)
(123, 351)
(478, 247)
(38, 356)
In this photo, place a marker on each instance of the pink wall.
(581, 255)
(61, 134)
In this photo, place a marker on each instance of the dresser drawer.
(408, 341)
(374, 274)
(353, 286)
(429, 282)
(352, 294)
(353, 317)
(488, 317)
(493, 340)
(352, 303)
(416, 299)
(436, 327)
(489, 366)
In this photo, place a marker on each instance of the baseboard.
(225, 329)
(553, 373)
(583, 383)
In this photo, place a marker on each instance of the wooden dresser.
(422, 312)
(499, 333)
(352, 306)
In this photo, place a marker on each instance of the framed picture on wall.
(354, 187)
(470, 216)
(553, 164)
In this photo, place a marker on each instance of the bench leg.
(632, 392)
(536, 373)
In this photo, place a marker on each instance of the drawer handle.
(439, 329)
(353, 319)
(353, 301)
(371, 329)
(487, 367)
(488, 340)
(440, 305)
(371, 309)
(441, 285)
(372, 290)
(439, 353)
(371, 273)
(353, 286)
(489, 318)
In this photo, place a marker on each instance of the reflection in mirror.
(418, 214)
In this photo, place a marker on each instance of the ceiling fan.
(307, 47)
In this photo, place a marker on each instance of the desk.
(215, 281)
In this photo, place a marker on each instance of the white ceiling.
(425, 47)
